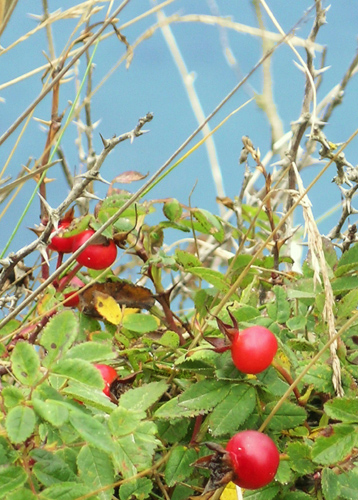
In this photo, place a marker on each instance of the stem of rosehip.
(288, 379)
(197, 425)
(59, 259)
(69, 277)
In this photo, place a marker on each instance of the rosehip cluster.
(98, 255)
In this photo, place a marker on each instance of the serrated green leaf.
(199, 398)
(124, 421)
(296, 323)
(347, 304)
(66, 491)
(80, 371)
(284, 473)
(333, 449)
(344, 409)
(169, 339)
(91, 430)
(301, 345)
(297, 495)
(267, 493)
(209, 224)
(330, 484)
(300, 457)
(89, 396)
(349, 485)
(212, 277)
(25, 363)
(288, 416)
(20, 423)
(142, 398)
(186, 259)
(178, 467)
(21, 494)
(12, 396)
(279, 309)
(233, 410)
(8, 454)
(140, 323)
(50, 468)
(348, 262)
(140, 488)
(321, 377)
(344, 284)
(52, 411)
(96, 471)
(58, 335)
(92, 351)
(172, 431)
(11, 478)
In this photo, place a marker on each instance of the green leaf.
(12, 396)
(80, 371)
(66, 491)
(58, 335)
(211, 276)
(25, 363)
(284, 473)
(125, 451)
(123, 421)
(297, 495)
(172, 431)
(267, 493)
(300, 457)
(199, 398)
(178, 466)
(209, 224)
(169, 339)
(140, 323)
(348, 262)
(288, 416)
(96, 471)
(89, 396)
(8, 454)
(50, 468)
(321, 377)
(142, 398)
(92, 351)
(330, 484)
(349, 485)
(20, 423)
(347, 304)
(21, 494)
(140, 488)
(279, 309)
(91, 430)
(333, 449)
(54, 412)
(344, 284)
(186, 259)
(233, 410)
(11, 477)
(344, 409)
(296, 323)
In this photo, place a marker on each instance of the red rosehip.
(109, 374)
(72, 298)
(254, 459)
(253, 349)
(61, 243)
(97, 255)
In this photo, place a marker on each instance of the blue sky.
(152, 83)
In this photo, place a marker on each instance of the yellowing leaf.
(108, 308)
(229, 493)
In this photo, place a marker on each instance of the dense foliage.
(121, 357)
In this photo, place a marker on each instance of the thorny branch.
(79, 189)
